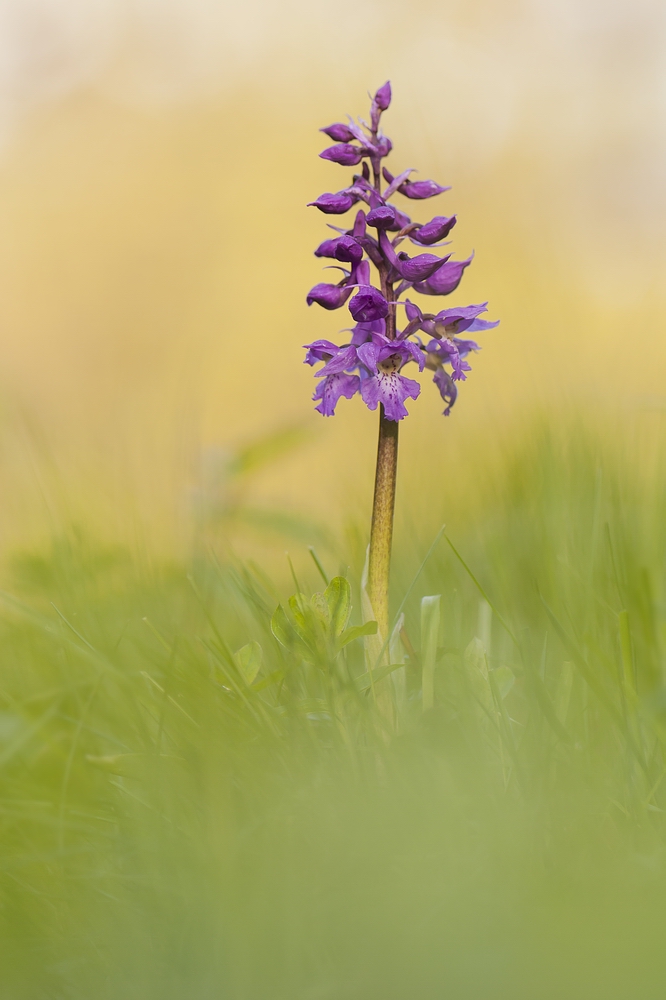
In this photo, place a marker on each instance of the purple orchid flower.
(386, 385)
(372, 361)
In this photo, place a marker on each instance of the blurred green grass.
(175, 824)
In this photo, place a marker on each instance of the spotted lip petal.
(391, 389)
(331, 388)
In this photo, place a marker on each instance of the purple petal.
(329, 296)
(319, 350)
(390, 389)
(363, 331)
(446, 279)
(413, 311)
(368, 354)
(359, 225)
(344, 358)
(477, 325)
(343, 153)
(394, 182)
(415, 352)
(460, 314)
(434, 231)
(338, 132)
(331, 388)
(383, 96)
(448, 351)
(465, 347)
(335, 204)
(362, 273)
(368, 305)
(447, 389)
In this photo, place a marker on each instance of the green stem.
(381, 532)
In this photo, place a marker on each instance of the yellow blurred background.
(156, 159)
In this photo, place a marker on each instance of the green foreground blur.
(191, 808)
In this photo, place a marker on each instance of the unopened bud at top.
(383, 96)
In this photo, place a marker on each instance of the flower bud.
(344, 248)
(338, 132)
(383, 96)
(368, 305)
(329, 296)
(344, 153)
(434, 231)
(382, 217)
(334, 204)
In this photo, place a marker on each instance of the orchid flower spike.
(371, 364)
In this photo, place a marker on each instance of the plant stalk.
(381, 532)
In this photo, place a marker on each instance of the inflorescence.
(372, 362)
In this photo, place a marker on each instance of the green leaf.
(338, 598)
(297, 605)
(319, 605)
(281, 626)
(370, 628)
(248, 660)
